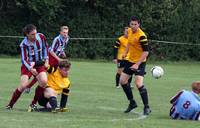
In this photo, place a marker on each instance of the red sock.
(15, 97)
(38, 94)
(34, 80)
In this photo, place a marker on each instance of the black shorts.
(121, 63)
(43, 101)
(140, 71)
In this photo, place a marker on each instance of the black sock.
(129, 80)
(144, 96)
(53, 102)
(117, 79)
(63, 101)
(128, 91)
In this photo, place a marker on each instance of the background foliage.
(171, 20)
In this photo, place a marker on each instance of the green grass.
(94, 102)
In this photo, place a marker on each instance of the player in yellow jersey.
(137, 51)
(58, 83)
(119, 49)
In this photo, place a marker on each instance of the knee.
(43, 82)
(22, 86)
(138, 83)
(122, 81)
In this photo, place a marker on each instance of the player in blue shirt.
(186, 104)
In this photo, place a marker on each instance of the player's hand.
(61, 60)
(34, 71)
(134, 67)
(46, 64)
(124, 55)
(115, 61)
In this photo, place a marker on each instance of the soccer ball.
(157, 72)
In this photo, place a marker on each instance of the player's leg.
(117, 77)
(39, 92)
(63, 101)
(52, 96)
(139, 76)
(17, 93)
(31, 83)
(42, 80)
(127, 90)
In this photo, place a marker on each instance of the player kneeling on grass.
(186, 104)
(58, 83)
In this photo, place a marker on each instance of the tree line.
(170, 20)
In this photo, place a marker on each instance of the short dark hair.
(64, 64)
(28, 28)
(134, 18)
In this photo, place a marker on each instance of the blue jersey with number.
(186, 105)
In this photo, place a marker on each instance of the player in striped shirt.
(58, 46)
(186, 104)
(34, 58)
(56, 50)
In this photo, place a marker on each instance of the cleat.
(131, 106)
(64, 110)
(132, 86)
(118, 87)
(147, 111)
(27, 90)
(56, 110)
(8, 107)
(32, 107)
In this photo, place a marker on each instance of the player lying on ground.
(58, 83)
(186, 104)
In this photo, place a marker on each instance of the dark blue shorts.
(43, 101)
(121, 63)
(140, 71)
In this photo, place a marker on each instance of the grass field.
(94, 102)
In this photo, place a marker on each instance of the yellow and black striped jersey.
(56, 81)
(120, 46)
(138, 44)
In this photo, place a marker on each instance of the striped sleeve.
(54, 45)
(174, 98)
(24, 56)
(44, 46)
(144, 43)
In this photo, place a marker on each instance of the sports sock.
(33, 81)
(63, 101)
(15, 97)
(53, 102)
(38, 93)
(117, 76)
(128, 91)
(144, 96)
(129, 80)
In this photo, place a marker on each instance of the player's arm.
(174, 98)
(55, 56)
(126, 51)
(44, 50)
(116, 47)
(145, 47)
(53, 49)
(51, 69)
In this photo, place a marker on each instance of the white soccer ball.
(157, 72)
